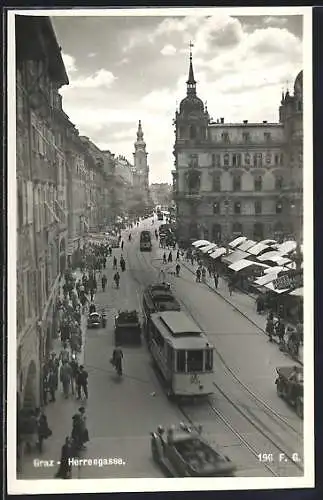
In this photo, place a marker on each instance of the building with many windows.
(235, 178)
(41, 197)
(65, 186)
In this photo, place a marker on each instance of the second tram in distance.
(182, 353)
(145, 241)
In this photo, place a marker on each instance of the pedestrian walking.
(198, 275)
(170, 257)
(52, 385)
(164, 258)
(122, 245)
(82, 382)
(177, 255)
(74, 371)
(65, 464)
(83, 427)
(66, 377)
(64, 355)
(216, 280)
(42, 426)
(104, 282)
(270, 328)
(115, 262)
(203, 274)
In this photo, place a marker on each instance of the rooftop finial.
(191, 46)
(191, 83)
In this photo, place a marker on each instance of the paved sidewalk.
(59, 415)
(245, 304)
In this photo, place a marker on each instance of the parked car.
(184, 452)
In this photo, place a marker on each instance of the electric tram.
(158, 297)
(182, 354)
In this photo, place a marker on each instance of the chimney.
(245, 122)
(264, 121)
(222, 120)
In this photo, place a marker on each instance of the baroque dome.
(191, 104)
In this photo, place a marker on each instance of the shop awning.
(246, 245)
(256, 249)
(269, 242)
(287, 247)
(243, 263)
(235, 256)
(208, 248)
(269, 255)
(201, 243)
(279, 260)
(298, 292)
(271, 287)
(276, 269)
(237, 241)
(267, 278)
(218, 252)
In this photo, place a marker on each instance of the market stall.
(243, 273)
(237, 241)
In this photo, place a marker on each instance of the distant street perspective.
(159, 300)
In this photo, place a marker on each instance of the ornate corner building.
(238, 178)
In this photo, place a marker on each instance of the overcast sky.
(122, 69)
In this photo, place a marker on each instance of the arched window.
(216, 207)
(278, 182)
(258, 231)
(258, 183)
(237, 207)
(216, 232)
(192, 132)
(247, 159)
(237, 229)
(226, 159)
(236, 183)
(279, 207)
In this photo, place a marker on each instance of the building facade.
(161, 194)
(234, 178)
(41, 198)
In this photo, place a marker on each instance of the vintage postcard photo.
(160, 297)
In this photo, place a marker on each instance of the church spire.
(191, 83)
(140, 134)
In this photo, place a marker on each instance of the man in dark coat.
(82, 381)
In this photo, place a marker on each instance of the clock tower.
(140, 161)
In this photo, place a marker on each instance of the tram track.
(259, 439)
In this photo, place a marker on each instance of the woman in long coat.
(65, 468)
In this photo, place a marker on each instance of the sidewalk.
(59, 415)
(243, 303)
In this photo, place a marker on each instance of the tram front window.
(208, 360)
(181, 361)
(194, 361)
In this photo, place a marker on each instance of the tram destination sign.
(290, 280)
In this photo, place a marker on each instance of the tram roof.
(179, 330)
